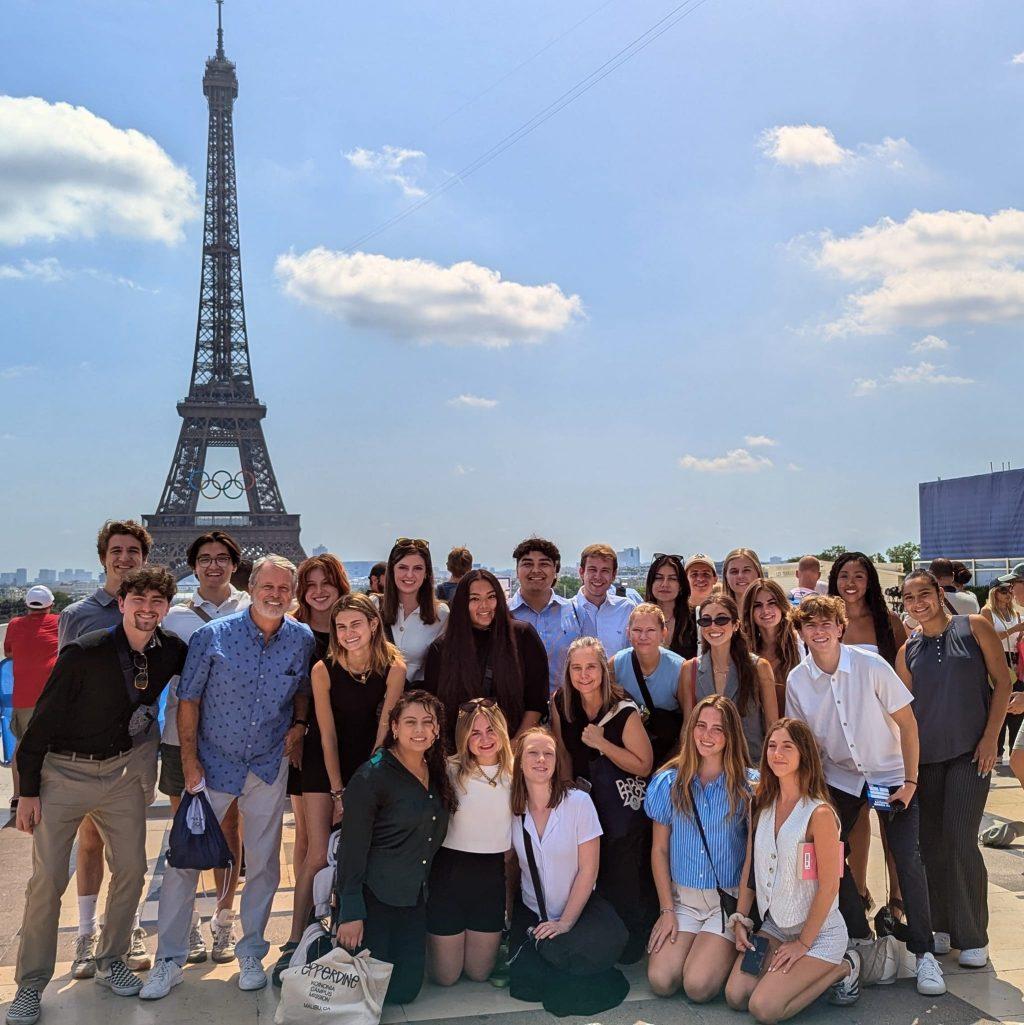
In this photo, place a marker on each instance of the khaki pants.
(109, 792)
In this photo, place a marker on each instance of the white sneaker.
(974, 957)
(162, 979)
(84, 964)
(118, 979)
(251, 974)
(879, 961)
(929, 976)
(847, 991)
(222, 928)
(941, 943)
(139, 959)
(196, 945)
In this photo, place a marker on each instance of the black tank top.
(356, 708)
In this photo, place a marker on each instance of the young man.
(377, 571)
(860, 714)
(537, 564)
(808, 579)
(75, 759)
(460, 562)
(702, 576)
(214, 557)
(963, 603)
(31, 644)
(596, 611)
(123, 546)
(243, 709)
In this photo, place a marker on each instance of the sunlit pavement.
(210, 994)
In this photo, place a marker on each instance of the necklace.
(359, 676)
(491, 781)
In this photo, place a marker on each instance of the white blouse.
(482, 824)
(412, 637)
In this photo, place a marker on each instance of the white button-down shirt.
(572, 823)
(850, 715)
(182, 621)
(413, 637)
(608, 622)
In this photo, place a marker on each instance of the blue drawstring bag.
(196, 838)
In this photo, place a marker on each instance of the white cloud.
(20, 370)
(930, 343)
(794, 468)
(418, 300)
(463, 471)
(759, 441)
(803, 145)
(387, 164)
(1018, 58)
(928, 270)
(48, 270)
(472, 402)
(921, 374)
(737, 460)
(65, 172)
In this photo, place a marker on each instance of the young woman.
(765, 622)
(690, 945)
(485, 652)
(397, 807)
(807, 939)
(668, 588)
(564, 836)
(947, 665)
(413, 617)
(466, 902)
(608, 747)
(646, 665)
(729, 667)
(1006, 617)
(740, 569)
(872, 626)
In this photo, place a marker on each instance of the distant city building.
(47, 576)
(319, 550)
(775, 560)
(7, 579)
(21, 577)
(629, 558)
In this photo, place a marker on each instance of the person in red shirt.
(31, 641)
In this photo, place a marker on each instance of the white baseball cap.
(39, 597)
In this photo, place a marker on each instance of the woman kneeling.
(797, 861)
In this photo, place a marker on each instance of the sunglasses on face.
(475, 704)
(141, 671)
(719, 620)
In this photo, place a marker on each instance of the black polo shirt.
(86, 704)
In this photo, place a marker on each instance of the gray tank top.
(951, 691)
(753, 724)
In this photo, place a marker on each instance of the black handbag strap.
(534, 874)
(704, 841)
(200, 611)
(641, 681)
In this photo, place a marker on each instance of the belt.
(77, 756)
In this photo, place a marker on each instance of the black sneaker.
(25, 1009)
(120, 979)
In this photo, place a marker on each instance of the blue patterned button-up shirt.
(245, 690)
(557, 628)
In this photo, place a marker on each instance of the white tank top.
(777, 869)
(1009, 643)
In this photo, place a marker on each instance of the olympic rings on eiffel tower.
(222, 482)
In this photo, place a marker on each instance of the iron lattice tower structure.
(221, 410)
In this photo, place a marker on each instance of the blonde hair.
(648, 608)
(567, 699)
(383, 654)
(820, 606)
(991, 603)
(738, 553)
(464, 760)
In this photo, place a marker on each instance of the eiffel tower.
(221, 410)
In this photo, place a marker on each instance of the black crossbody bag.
(728, 902)
(662, 725)
(593, 944)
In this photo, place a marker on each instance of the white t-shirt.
(482, 824)
(572, 823)
(182, 621)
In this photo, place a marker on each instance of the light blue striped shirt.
(727, 834)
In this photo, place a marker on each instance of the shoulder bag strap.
(534, 874)
(693, 680)
(704, 841)
(614, 711)
(640, 681)
(200, 612)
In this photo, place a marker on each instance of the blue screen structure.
(978, 517)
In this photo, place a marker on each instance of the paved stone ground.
(210, 994)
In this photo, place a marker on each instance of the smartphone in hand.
(753, 960)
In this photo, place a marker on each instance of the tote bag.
(337, 989)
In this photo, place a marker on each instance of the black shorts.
(466, 891)
(172, 776)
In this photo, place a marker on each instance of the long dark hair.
(684, 631)
(739, 652)
(460, 671)
(873, 598)
(424, 596)
(437, 762)
(786, 646)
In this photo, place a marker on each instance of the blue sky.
(748, 290)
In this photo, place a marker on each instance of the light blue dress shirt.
(608, 622)
(557, 628)
(245, 689)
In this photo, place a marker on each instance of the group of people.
(565, 784)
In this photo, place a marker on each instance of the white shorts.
(699, 911)
(829, 945)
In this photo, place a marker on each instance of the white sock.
(87, 914)
(225, 916)
(137, 924)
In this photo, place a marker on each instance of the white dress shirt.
(182, 621)
(850, 715)
(412, 637)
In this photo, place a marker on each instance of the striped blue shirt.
(727, 834)
(557, 628)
